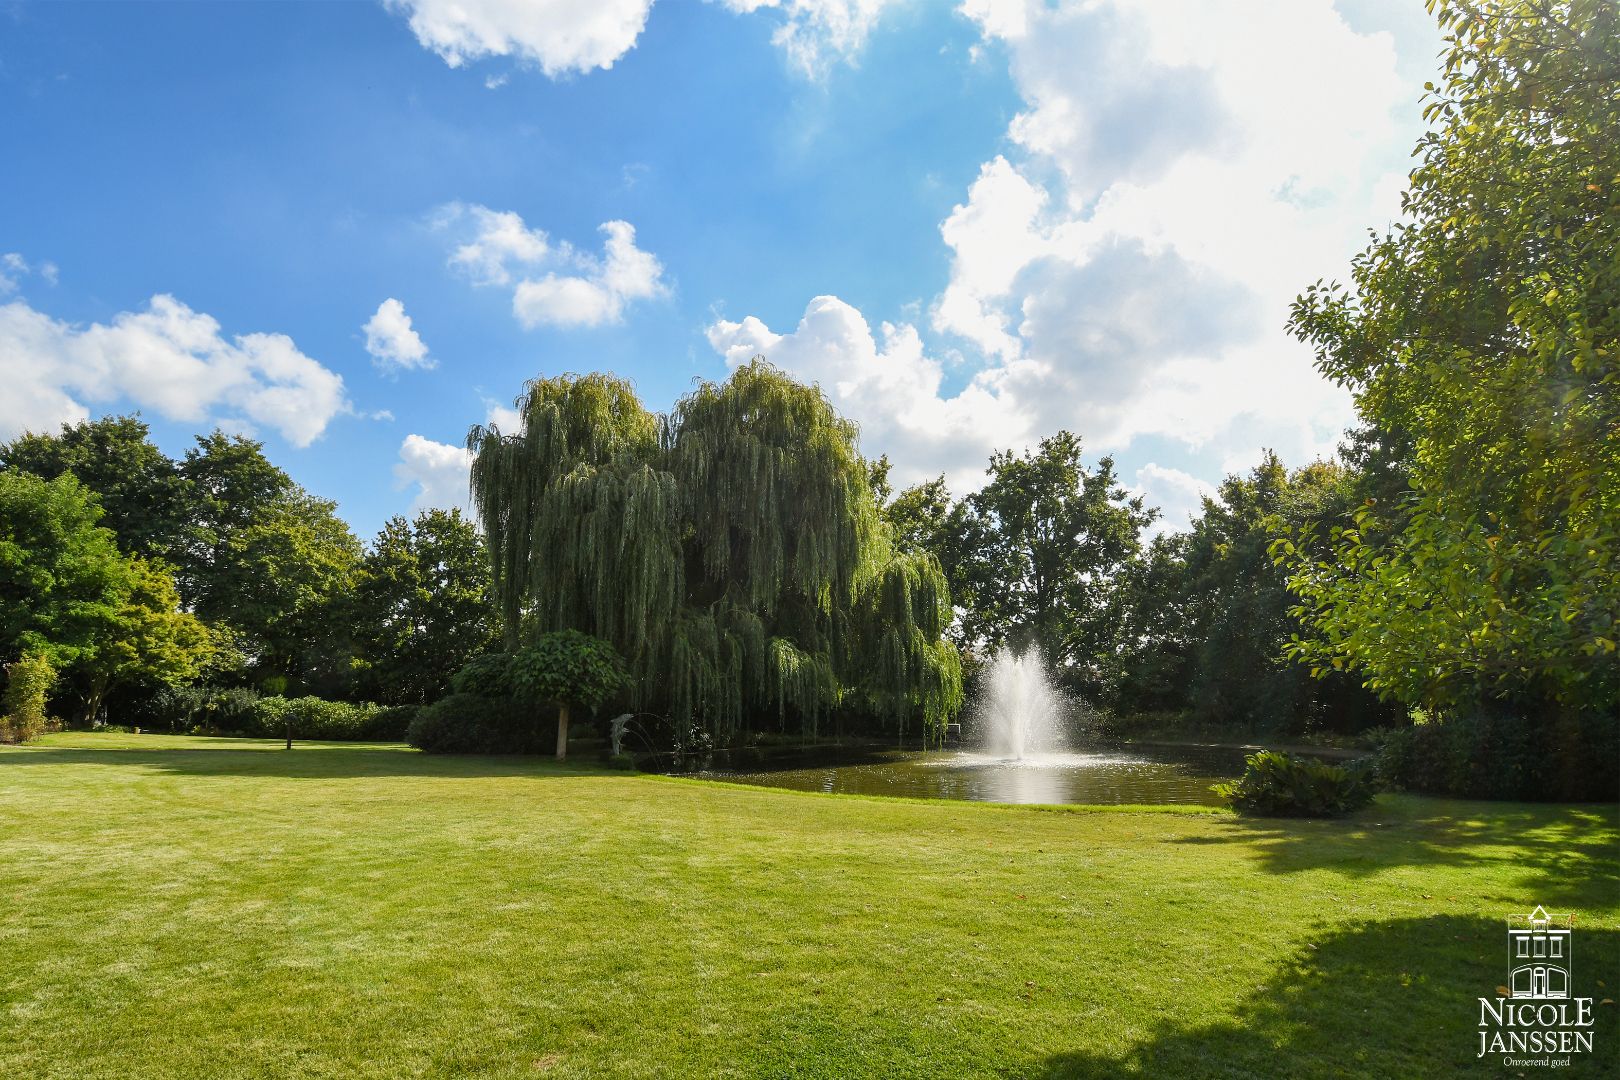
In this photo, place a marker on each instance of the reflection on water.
(1140, 774)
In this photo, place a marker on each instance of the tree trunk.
(562, 733)
(92, 702)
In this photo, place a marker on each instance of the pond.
(1140, 773)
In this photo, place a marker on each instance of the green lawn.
(222, 908)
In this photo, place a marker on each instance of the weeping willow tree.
(732, 552)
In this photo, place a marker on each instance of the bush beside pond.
(1275, 784)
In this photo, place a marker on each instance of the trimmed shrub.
(1573, 758)
(311, 718)
(389, 723)
(1275, 784)
(22, 708)
(470, 724)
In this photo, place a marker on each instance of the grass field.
(202, 908)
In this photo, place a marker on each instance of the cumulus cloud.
(561, 37)
(597, 295)
(565, 37)
(890, 384)
(167, 358)
(577, 289)
(438, 472)
(392, 342)
(1178, 171)
(499, 241)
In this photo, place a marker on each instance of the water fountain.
(1020, 748)
(1020, 712)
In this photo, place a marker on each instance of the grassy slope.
(214, 908)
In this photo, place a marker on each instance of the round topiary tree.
(566, 668)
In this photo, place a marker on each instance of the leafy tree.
(1480, 339)
(566, 668)
(1157, 630)
(1209, 615)
(920, 520)
(232, 486)
(288, 572)
(68, 595)
(144, 498)
(1043, 546)
(732, 552)
(422, 606)
(61, 574)
(146, 638)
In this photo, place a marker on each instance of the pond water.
(1145, 774)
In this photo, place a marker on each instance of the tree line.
(128, 572)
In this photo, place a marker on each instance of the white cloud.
(392, 342)
(578, 289)
(600, 293)
(437, 470)
(892, 386)
(814, 33)
(564, 37)
(13, 268)
(167, 358)
(505, 417)
(1178, 495)
(1179, 171)
(499, 241)
(560, 36)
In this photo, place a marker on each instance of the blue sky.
(972, 226)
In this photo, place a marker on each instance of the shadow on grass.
(1397, 998)
(312, 761)
(1568, 855)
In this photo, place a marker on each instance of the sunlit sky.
(353, 230)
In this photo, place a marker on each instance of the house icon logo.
(1538, 955)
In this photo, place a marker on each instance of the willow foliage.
(732, 551)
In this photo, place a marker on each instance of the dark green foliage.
(1039, 554)
(1573, 756)
(919, 518)
(1275, 784)
(488, 676)
(197, 708)
(389, 723)
(471, 724)
(1206, 615)
(566, 667)
(22, 707)
(421, 606)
